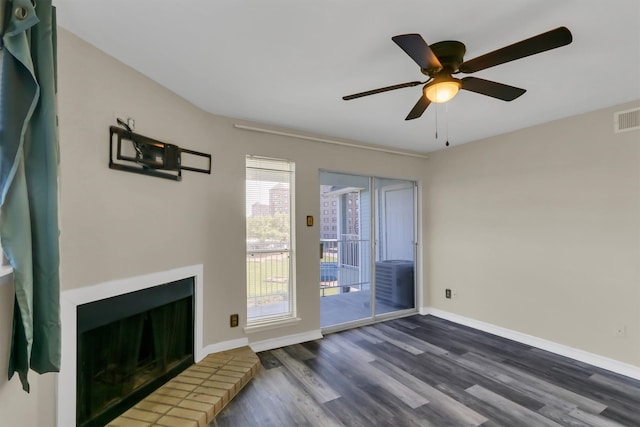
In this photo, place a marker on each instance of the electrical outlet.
(233, 320)
(447, 293)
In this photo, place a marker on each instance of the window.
(270, 243)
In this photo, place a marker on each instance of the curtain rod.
(329, 141)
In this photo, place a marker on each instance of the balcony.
(345, 283)
(344, 266)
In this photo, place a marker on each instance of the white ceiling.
(289, 62)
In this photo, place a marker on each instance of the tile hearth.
(195, 396)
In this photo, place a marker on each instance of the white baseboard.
(223, 346)
(286, 340)
(560, 349)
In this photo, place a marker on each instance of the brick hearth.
(197, 395)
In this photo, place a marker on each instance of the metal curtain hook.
(21, 13)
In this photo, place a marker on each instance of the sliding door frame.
(374, 219)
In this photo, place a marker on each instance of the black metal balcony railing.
(344, 267)
(268, 287)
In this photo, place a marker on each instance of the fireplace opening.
(129, 345)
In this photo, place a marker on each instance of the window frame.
(262, 322)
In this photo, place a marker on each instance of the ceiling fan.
(443, 59)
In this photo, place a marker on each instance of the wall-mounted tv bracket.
(140, 154)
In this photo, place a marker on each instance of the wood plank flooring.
(425, 371)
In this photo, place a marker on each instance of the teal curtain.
(29, 183)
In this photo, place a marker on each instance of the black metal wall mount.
(139, 154)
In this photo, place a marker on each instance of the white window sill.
(271, 324)
(5, 270)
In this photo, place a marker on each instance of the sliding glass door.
(395, 245)
(367, 248)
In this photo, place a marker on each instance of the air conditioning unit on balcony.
(394, 283)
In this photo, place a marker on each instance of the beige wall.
(538, 231)
(535, 231)
(116, 224)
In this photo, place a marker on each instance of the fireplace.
(128, 345)
(124, 338)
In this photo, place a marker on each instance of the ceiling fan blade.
(415, 46)
(561, 36)
(380, 90)
(419, 108)
(493, 89)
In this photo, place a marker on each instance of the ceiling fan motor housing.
(450, 53)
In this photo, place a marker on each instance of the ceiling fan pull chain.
(436, 121)
(446, 121)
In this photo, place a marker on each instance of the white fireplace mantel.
(71, 299)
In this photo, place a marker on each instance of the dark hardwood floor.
(425, 371)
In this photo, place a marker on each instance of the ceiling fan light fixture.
(442, 90)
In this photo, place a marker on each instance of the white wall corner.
(553, 347)
(285, 340)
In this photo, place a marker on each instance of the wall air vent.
(624, 121)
